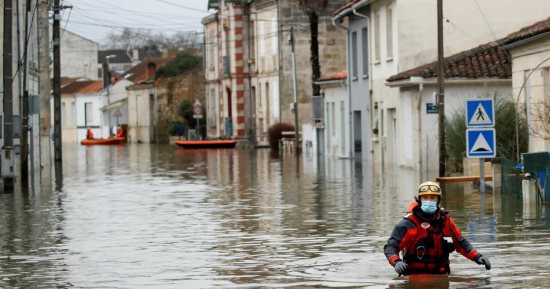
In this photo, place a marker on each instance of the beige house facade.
(530, 52)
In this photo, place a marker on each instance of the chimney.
(151, 71)
(106, 75)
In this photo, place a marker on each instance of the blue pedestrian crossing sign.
(481, 143)
(480, 113)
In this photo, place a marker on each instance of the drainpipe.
(279, 57)
(348, 82)
(354, 9)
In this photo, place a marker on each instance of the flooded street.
(140, 216)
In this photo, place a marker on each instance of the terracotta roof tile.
(84, 87)
(484, 61)
(139, 74)
(341, 75)
(528, 31)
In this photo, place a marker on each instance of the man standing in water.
(420, 234)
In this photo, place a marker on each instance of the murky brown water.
(161, 217)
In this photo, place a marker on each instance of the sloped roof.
(340, 75)
(484, 61)
(83, 87)
(119, 56)
(67, 80)
(528, 31)
(139, 74)
(337, 11)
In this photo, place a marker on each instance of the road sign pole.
(482, 175)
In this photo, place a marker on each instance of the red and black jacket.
(420, 237)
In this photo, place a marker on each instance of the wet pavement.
(155, 216)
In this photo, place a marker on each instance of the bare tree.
(312, 8)
(136, 38)
(540, 123)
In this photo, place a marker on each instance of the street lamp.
(107, 70)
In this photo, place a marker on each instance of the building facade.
(78, 56)
(400, 35)
(249, 74)
(80, 103)
(530, 52)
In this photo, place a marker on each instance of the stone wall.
(171, 92)
(332, 55)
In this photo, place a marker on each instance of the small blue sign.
(480, 113)
(481, 143)
(432, 108)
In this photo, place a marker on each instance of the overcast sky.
(94, 19)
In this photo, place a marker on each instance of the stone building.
(171, 93)
(249, 76)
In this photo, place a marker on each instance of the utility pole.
(294, 94)
(441, 89)
(44, 87)
(56, 39)
(7, 151)
(25, 104)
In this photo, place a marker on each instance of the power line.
(460, 29)
(68, 17)
(178, 5)
(485, 18)
(129, 24)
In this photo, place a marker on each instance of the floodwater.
(140, 216)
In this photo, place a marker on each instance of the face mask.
(429, 207)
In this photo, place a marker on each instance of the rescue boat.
(103, 141)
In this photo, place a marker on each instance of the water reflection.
(161, 217)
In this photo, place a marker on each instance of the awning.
(112, 105)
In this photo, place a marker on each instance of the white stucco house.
(530, 52)
(80, 103)
(334, 130)
(114, 107)
(387, 37)
(481, 72)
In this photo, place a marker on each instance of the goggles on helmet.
(429, 188)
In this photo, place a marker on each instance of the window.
(333, 118)
(389, 33)
(354, 60)
(267, 112)
(211, 51)
(88, 114)
(328, 127)
(63, 114)
(377, 37)
(252, 39)
(343, 126)
(73, 114)
(365, 50)
(212, 105)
